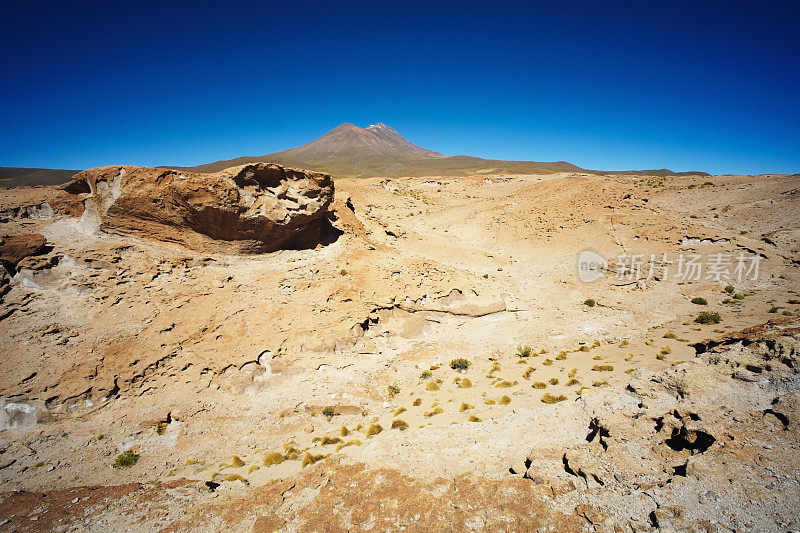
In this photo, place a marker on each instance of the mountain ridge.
(379, 150)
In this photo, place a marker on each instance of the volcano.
(379, 150)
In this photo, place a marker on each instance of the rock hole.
(596, 429)
(653, 519)
(696, 441)
(782, 418)
(512, 471)
(680, 470)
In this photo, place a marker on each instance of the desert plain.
(266, 349)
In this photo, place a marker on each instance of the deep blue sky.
(604, 85)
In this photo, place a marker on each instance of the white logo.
(591, 266)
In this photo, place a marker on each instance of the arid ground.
(157, 377)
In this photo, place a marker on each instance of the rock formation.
(254, 208)
(15, 248)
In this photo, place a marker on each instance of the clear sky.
(709, 86)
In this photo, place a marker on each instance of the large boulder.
(254, 208)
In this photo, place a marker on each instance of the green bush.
(699, 301)
(125, 459)
(524, 351)
(459, 364)
(708, 317)
(328, 411)
(589, 302)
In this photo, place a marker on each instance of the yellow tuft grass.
(402, 425)
(549, 398)
(273, 458)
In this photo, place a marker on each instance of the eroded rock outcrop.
(253, 208)
(15, 248)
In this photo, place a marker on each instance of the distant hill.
(378, 150)
(350, 151)
(660, 172)
(26, 177)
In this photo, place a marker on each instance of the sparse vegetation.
(589, 302)
(351, 442)
(126, 459)
(473, 418)
(670, 335)
(161, 427)
(393, 390)
(699, 301)
(730, 289)
(623, 343)
(465, 406)
(236, 462)
(603, 368)
(561, 355)
(504, 400)
(374, 429)
(527, 373)
(708, 317)
(549, 398)
(432, 386)
(273, 458)
(417, 402)
(310, 459)
(328, 412)
(584, 348)
(459, 364)
(539, 385)
(465, 383)
(603, 383)
(547, 362)
(524, 351)
(234, 477)
(400, 410)
(402, 425)
(572, 381)
(553, 381)
(436, 411)
(425, 374)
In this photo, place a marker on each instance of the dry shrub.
(273, 458)
(402, 425)
(549, 398)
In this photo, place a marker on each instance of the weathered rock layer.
(254, 208)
